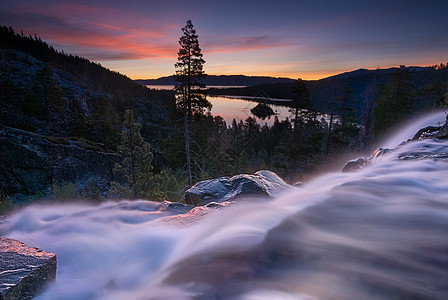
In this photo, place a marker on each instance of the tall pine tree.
(301, 101)
(190, 93)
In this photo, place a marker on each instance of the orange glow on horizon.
(308, 76)
(304, 76)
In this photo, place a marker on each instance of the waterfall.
(379, 233)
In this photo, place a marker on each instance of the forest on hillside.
(66, 98)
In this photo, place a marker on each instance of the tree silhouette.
(396, 101)
(190, 95)
(136, 157)
(301, 100)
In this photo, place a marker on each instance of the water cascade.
(378, 233)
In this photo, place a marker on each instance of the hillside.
(52, 93)
(60, 117)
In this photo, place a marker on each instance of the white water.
(380, 233)
(407, 130)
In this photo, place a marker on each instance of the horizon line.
(294, 78)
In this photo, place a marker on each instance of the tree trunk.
(295, 120)
(187, 147)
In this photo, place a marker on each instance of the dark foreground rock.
(264, 183)
(24, 271)
(29, 162)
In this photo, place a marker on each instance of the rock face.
(24, 271)
(30, 162)
(264, 183)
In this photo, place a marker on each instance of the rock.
(175, 207)
(195, 214)
(265, 183)
(29, 162)
(426, 132)
(443, 132)
(354, 165)
(24, 271)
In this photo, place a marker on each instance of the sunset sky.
(307, 39)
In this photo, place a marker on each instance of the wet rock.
(426, 132)
(264, 183)
(24, 271)
(195, 214)
(438, 132)
(443, 132)
(179, 208)
(354, 165)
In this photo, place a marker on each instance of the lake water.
(238, 107)
(170, 87)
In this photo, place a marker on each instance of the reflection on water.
(380, 233)
(240, 109)
(171, 87)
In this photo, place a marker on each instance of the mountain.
(221, 80)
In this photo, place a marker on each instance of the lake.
(238, 107)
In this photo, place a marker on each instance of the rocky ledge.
(430, 132)
(29, 162)
(24, 271)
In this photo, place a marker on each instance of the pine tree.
(343, 110)
(136, 157)
(189, 89)
(301, 100)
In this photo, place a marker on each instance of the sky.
(296, 39)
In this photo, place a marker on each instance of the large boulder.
(24, 271)
(264, 183)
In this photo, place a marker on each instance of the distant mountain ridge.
(363, 81)
(243, 80)
(221, 80)
(362, 72)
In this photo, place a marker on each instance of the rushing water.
(379, 233)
